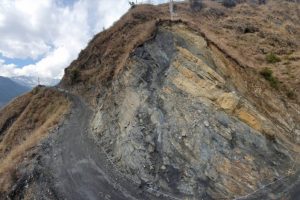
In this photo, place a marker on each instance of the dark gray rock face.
(174, 123)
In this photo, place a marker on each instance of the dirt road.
(82, 170)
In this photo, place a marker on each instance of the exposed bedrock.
(174, 121)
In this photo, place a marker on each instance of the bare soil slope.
(23, 124)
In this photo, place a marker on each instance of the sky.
(42, 37)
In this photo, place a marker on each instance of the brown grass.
(274, 29)
(247, 33)
(43, 110)
(244, 35)
(107, 53)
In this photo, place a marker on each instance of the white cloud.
(1, 19)
(6, 69)
(21, 35)
(50, 31)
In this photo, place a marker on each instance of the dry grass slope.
(23, 124)
(248, 33)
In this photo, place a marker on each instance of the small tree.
(132, 4)
(74, 76)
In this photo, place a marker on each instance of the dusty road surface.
(81, 169)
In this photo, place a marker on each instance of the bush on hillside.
(229, 3)
(74, 75)
(267, 73)
(196, 5)
(272, 58)
(290, 94)
(132, 4)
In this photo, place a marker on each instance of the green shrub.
(290, 94)
(74, 75)
(267, 73)
(272, 58)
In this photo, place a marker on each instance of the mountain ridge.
(10, 89)
(31, 81)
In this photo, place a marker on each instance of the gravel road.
(82, 170)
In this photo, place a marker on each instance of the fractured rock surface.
(173, 121)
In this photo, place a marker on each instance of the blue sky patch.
(19, 62)
(66, 2)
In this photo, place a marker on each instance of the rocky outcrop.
(179, 119)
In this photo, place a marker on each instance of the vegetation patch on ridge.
(267, 73)
(272, 58)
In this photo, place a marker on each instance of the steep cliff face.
(182, 118)
(182, 107)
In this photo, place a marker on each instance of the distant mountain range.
(9, 89)
(15, 86)
(31, 81)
